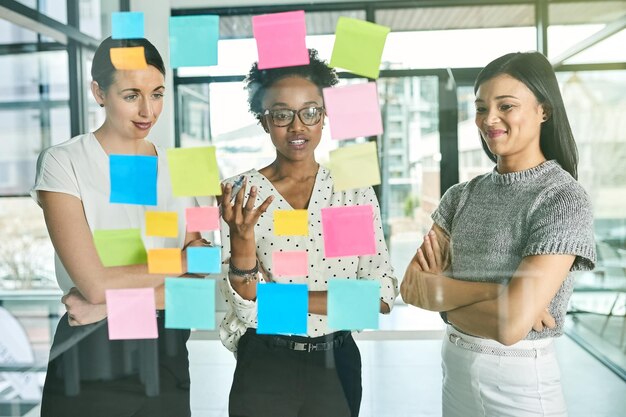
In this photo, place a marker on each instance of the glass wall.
(36, 112)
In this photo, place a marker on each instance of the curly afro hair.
(258, 81)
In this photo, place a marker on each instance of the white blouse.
(242, 314)
(80, 167)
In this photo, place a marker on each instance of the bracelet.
(444, 316)
(248, 275)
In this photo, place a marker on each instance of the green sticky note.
(120, 247)
(359, 46)
(193, 171)
(354, 166)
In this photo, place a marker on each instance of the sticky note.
(291, 223)
(131, 58)
(133, 179)
(353, 304)
(119, 247)
(348, 231)
(347, 120)
(201, 219)
(162, 223)
(290, 264)
(189, 303)
(358, 46)
(165, 261)
(280, 39)
(193, 40)
(193, 171)
(127, 25)
(354, 166)
(204, 259)
(282, 308)
(131, 314)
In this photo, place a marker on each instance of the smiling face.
(509, 118)
(296, 141)
(133, 102)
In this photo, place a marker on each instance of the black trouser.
(272, 380)
(110, 384)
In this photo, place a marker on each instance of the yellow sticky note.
(355, 166)
(291, 223)
(359, 46)
(130, 58)
(194, 171)
(165, 261)
(162, 223)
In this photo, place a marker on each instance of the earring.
(545, 118)
(102, 105)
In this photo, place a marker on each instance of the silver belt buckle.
(454, 338)
(301, 346)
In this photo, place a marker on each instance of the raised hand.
(241, 218)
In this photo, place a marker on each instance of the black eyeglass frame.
(321, 110)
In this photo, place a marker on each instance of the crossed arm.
(502, 313)
(73, 242)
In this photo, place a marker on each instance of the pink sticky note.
(200, 219)
(353, 111)
(348, 231)
(131, 314)
(280, 39)
(290, 264)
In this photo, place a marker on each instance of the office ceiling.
(442, 18)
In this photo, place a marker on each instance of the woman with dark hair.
(498, 261)
(318, 374)
(89, 375)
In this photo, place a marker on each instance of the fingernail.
(253, 189)
(432, 233)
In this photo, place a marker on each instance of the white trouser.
(483, 378)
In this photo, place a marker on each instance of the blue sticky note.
(193, 40)
(127, 25)
(282, 308)
(133, 179)
(204, 259)
(189, 303)
(353, 304)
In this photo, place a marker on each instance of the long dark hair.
(102, 69)
(534, 70)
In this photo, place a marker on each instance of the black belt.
(332, 341)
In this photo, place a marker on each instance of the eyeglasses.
(309, 116)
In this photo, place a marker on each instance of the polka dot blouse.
(242, 313)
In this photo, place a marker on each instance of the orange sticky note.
(131, 58)
(162, 223)
(291, 223)
(165, 261)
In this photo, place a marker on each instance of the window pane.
(571, 23)
(55, 9)
(95, 17)
(595, 103)
(34, 113)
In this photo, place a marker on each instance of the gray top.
(495, 220)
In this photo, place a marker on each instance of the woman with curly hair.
(318, 374)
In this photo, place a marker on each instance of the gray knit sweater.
(495, 220)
